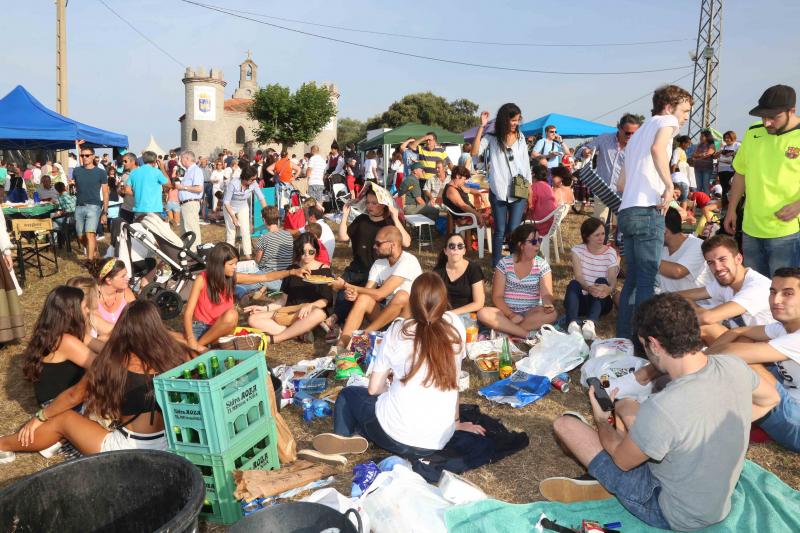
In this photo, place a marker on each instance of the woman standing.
(371, 167)
(11, 323)
(703, 161)
(522, 288)
(462, 278)
(236, 208)
(726, 154)
(507, 154)
(218, 182)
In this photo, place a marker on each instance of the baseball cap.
(776, 99)
(417, 165)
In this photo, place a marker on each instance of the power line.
(429, 58)
(145, 37)
(446, 40)
(637, 99)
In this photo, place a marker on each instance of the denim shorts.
(199, 328)
(782, 424)
(637, 489)
(87, 217)
(175, 207)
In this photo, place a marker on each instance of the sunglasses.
(510, 154)
(552, 131)
(87, 155)
(628, 133)
(456, 246)
(535, 241)
(311, 252)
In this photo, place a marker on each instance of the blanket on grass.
(760, 502)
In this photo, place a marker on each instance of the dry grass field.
(515, 479)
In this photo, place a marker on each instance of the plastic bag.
(611, 347)
(610, 365)
(347, 365)
(475, 349)
(517, 390)
(336, 500)
(556, 353)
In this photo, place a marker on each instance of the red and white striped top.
(595, 266)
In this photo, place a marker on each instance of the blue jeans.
(783, 422)
(703, 179)
(768, 255)
(199, 328)
(208, 196)
(643, 228)
(342, 307)
(87, 218)
(579, 304)
(507, 216)
(684, 187)
(247, 288)
(354, 412)
(637, 489)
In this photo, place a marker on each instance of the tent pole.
(61, 70)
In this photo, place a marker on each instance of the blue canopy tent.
(568, 127)
(26, 124)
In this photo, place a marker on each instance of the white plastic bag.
(336, 500)
(611, 347)
(556, 353)
(611, 365)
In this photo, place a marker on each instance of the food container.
(488, 366)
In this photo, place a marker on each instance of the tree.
(428, 108)
(288, 118)
(350, 130)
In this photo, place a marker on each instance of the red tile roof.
(238, 105)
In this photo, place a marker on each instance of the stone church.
(212, 123)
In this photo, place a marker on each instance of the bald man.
(385, 295)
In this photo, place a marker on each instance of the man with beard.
(671, 464)
(777, 345)
(737, 296)
(388, 285)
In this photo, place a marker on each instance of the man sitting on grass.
(669, 462)
(386, 293)
(778, 343)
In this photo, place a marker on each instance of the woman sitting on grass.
(462, 278)
(98, 330)
(417, 413)
(522, 288)
(117, 387)
(112, 282)
(210, 313)
(303, 305)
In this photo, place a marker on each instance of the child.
(66, 206)
(210, 313)
(173, 205)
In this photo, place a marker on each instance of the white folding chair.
(483, 235)
(558, 215)
(559, 233)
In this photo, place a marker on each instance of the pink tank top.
(207, 311)
(112, 316)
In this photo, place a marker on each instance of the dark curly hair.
(669, 319)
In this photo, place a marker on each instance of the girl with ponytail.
(417, 413)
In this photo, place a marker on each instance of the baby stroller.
(150, 247)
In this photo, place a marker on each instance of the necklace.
(113, 302)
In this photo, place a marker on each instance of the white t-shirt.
(411, 413)
(217, 179)
(680, 177)
(789, 345)
(369, 165)
(726, 156)
(753, 296)
(643, 187)
(407, 267)
(316, 170)
(690, 256)
(37, 175)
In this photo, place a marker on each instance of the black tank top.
(139, 395)
(55, 378)
(464, 198)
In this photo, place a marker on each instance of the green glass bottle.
(177, 431)
(202, 373)
(189, 397)
(215, 370)
(505, 366)
(174, 397)
(230, 362)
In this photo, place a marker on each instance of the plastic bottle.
(472, 327)
(308, 410)
(505, 366)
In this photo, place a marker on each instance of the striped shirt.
(595, 266)
(522, 295)
(428, 158)
(278, 250)
(600, 188)
(610, 157)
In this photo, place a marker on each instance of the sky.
(120, 81)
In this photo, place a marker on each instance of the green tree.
(288, 118)
(428, 108)
(350, 130)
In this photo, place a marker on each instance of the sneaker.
(573, 328)
(576, 415)
(331, 443)
(7, 457)
(589, 333)
(314, 456)
(569, 490)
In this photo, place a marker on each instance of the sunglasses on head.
(455, 246)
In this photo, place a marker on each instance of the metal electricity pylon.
(706, 68)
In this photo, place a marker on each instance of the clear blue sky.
(119, 81)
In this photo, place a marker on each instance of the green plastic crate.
(220, 505)
(230, 408)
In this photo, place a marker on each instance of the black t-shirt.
(362, 234)
(88, 183)
(459, 292)
(301, 292)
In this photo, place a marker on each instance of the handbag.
(521, 189)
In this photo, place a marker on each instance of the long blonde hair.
(90, 294)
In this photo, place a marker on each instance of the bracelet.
(41, 416)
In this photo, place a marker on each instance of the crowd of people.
(717, 319)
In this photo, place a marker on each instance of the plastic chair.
(483, 235)
(558, 215)
(559, 233)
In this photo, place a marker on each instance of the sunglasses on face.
(87, 155)
(535, 241)
(552, 131)
(456, 246)
(311, 252)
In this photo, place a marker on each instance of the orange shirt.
(283, 168)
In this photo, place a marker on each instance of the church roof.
(238, 105)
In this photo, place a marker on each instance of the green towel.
(761, 502)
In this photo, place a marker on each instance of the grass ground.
(514, 479)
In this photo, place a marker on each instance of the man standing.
(208, 187)
(126, 209)
(646, 197)
(428, 153)
(669, 462)
(284, 171)
(146, 184)
(778, 343)
(767, 167)
(550, 146)
(610, 157)
(190, 193)
(315, 173)
(91, 188)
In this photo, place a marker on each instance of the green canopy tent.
(398, 135)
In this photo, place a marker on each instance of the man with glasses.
(550, 146)
(767, 167)
(190, 193)
(91, 188)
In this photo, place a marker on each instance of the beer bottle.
(215, 370)
(505, 365)
(177, 432)
(202, 373)
(174, 397)
(189, 397)
(230, 362)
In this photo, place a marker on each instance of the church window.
(240, 135)
(194, 134)
(248, 73)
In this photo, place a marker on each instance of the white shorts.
(123, 439)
